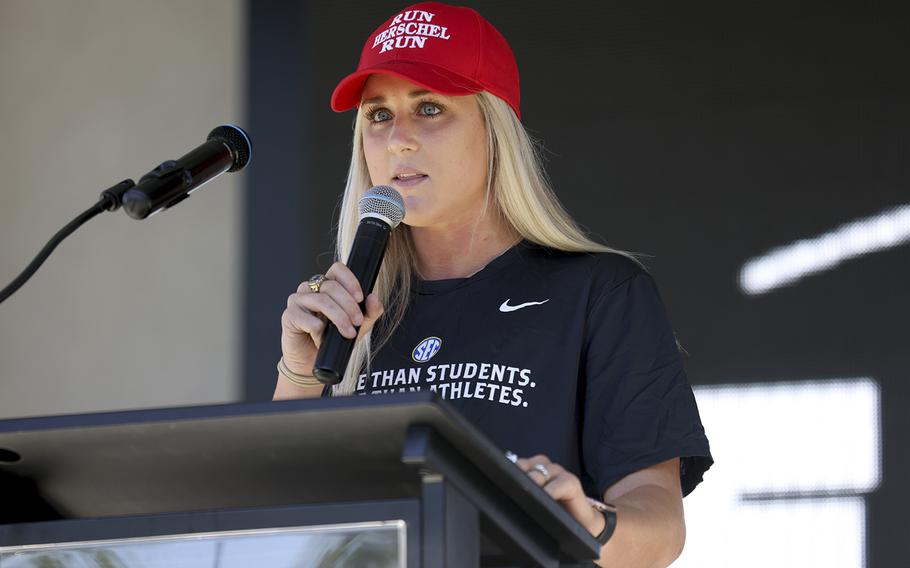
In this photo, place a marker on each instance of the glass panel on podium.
(376, 544)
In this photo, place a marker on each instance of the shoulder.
(603, 271)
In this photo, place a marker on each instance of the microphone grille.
(237, 140)
(382, 201)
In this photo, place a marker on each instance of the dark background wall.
(702, 134)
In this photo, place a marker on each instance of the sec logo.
(426, 349)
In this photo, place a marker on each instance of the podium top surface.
(250, 455)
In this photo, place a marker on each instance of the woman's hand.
(651, 528)
(304, 320)
(564, 487)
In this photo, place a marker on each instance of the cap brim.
(426, 75)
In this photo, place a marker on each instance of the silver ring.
(542, 470)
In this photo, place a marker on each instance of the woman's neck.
(460, 252)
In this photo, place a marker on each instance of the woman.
(553, 345)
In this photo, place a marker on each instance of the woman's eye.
(380, 115)
(430, 109)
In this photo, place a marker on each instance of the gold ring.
(315, 282)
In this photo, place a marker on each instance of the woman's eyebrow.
(379, 100)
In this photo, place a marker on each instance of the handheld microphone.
(227, 149)
(381, 210)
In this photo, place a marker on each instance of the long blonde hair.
(518, 189)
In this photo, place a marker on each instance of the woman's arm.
(650, 529)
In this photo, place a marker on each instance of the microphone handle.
(167, 184)
(364, 261)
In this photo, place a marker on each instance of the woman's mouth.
(408, 180)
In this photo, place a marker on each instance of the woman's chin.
(413, 222)
(414, 214)
(418, 221)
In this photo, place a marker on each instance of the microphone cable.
(111, 199)
(227, 149)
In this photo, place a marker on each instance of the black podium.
(388, 480)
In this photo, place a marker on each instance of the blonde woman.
(556, 347)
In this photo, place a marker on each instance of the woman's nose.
(403, 136)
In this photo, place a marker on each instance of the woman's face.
(429, 147)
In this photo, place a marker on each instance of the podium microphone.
(227, 149)
(381, 210)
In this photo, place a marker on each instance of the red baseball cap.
(450, 50)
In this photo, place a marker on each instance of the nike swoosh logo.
(505, 307)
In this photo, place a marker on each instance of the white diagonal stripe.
(790, 263)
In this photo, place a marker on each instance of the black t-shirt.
(570, 355)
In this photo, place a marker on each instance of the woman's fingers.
(337, 301)
(539, 468)
(374, 311)
(336, 304)
(527, 464)
(341, 286)
(343, 275)
(559, 483)
(298, 320)
(563, 486)
(304, 321)
(343, 299)
(325, 303)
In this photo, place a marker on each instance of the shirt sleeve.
(639, 409)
